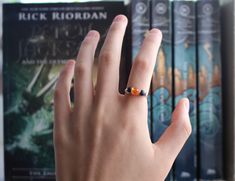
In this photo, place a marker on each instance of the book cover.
(185, 82)
(37, 40)
(140, 21)
(210, 90)
(162, 106)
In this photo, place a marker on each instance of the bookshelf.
(228, 58)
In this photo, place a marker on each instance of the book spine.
(162, 76)
(210, 91)
(140, 26)
(140, 23)
(185, 82)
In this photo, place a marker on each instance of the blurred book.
(210, 90)
(37, 40)
(140, 25)
(162, 95)
(185, 82)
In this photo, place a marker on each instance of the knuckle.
(80, 69)
(106, 57)
(141, 64)
(58, 92)
(61, 81)
(183, 123)
(64, 73)
(187, 127)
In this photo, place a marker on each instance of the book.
(228, 74)
(162, 104)
(210, 90)
(140, 25)
(140, 20)
(37, 40)
(185, 82)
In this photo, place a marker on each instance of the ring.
(135, 92)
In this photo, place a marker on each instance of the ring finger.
(143, 65)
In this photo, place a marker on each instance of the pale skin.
(104, 136)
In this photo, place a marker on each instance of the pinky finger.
(62, 104)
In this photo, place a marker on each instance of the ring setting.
(133, 91)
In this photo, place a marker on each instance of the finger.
(110, 55)
(62, 104)
(175, 136)
(83, 83)
(143, 65)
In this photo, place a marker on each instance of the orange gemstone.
(135, 91)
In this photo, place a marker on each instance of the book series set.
(188, 65)
(39, 38)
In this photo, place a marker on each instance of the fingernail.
(155, 31)
(70, 63)
(92, 33)
(187, 104)
(119, 18)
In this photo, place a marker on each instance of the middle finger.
(109, 59)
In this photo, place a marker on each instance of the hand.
(104, 136)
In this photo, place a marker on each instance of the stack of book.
(188, 65)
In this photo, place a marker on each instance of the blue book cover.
(210, 91)
(140, 18)
(185, 82)
(162, 77)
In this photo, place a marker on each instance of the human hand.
(104, 136)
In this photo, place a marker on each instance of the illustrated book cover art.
(210, 90)
(37, 40)
(185, 82)
(162, 97)
(140, 25)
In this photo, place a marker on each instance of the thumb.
(175, 136)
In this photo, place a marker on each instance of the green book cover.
(37, 40)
